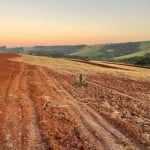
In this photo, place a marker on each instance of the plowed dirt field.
(41, 109)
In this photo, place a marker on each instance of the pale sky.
(62, 22)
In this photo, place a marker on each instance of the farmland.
(40, 108)
(137, 53)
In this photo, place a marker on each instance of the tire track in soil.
(32, 139)
(63, 101)
(4, 87)
(104, 127)
(101, 134)
(12, 119)
(20, 126)
(56, 101)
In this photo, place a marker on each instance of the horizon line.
(46, 45)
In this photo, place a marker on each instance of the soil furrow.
(114, 91)
(12, 122)
(31, 133)
(104, 136)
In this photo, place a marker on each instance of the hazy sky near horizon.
(56, 22)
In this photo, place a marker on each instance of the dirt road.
(40, 110)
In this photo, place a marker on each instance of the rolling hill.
(115, 51)
(137, 53)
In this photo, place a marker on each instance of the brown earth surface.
(41, 109)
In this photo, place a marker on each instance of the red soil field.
(40, 109)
